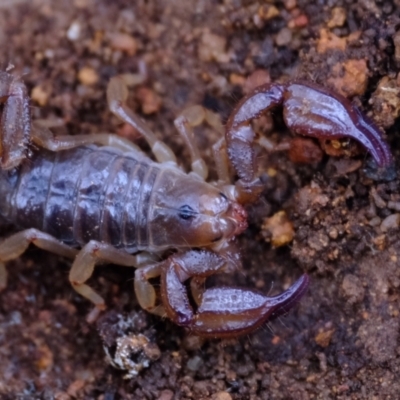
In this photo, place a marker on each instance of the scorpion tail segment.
(15, 121)
(240, 136)
(316, 112)
(226, 312)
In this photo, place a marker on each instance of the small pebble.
(280, 227)
(237, 79)
(88, 76)
(194, 363)
(284, 37)
(123, 42)
(353, 288)
(350, 78)
(318, 241)
(333, 233)
(268, 11)
(166, 395)
(386, 102)
(212, 48)
(375, 221)
(62, 396)
(329, 41)
(40, 95)
(74, 31)
(75, 388)
(323, 338)
(390, 222)
(396, 42)
(379, 202)
(150, 102)
(338, 17)
(221, 396)
(299, 22)
(257, 78)
(192, 342)
(304, 151)
(290, 4)
(394, 205)
(380, 242)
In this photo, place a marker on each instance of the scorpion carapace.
(191, 213)
(102, 194)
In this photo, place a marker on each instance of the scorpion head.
(187, 212)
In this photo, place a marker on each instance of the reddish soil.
(342, 340)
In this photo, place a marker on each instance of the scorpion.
(100, 199)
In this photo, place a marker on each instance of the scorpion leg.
(44, 138)
(15, 121)
(185, 122)
(117, 94)
(308, 110)
(145, 291)
(12, 247)
(221, 311)
(82, 269)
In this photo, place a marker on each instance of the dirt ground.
(342, 340)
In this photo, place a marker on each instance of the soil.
(342, 340)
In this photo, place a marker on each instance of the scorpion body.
(71, 195)
(100, 199)
(102, 194)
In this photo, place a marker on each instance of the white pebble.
(74, 31)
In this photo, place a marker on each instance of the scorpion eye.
(186, 212)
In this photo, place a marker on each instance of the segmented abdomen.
(82, 194)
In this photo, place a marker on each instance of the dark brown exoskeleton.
(102, 194)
